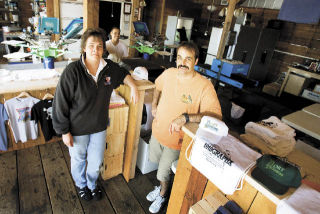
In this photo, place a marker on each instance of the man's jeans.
(88, 148)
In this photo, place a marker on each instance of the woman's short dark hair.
(191, 47)
(114, 28)
(95, 32)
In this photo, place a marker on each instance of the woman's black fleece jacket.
(80, 105)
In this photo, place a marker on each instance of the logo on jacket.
(107, 81)
(24, 114)
(186, 99)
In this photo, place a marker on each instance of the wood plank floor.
(38, 180)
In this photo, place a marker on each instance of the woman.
(80, 109)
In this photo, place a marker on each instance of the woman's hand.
(67, 139)
(134, 94)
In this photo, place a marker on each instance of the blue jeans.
(87, 148)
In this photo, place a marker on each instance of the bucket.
(48, 62)
(146, 56)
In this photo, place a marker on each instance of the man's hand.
(177, 124)
(67, 139)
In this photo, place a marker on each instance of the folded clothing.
(258, 144)
(116, 99)
(272, 127)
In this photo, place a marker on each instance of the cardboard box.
(115, 144)
(209, 204)
(118, 118)
(271, 88)
(112, 166)
(317, 88)
(230, 67)
(296, 84)
(311, 95)
(143, 162)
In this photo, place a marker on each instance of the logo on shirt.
(48, 112)
(186, 99)
(24, 114)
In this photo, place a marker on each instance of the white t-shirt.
(116, 52)
(19, 112)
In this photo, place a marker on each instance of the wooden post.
(134, 6)
(53, 10)
(50, 8)
(226, 27)
(90, 14)
(56, 14)
(161, 16)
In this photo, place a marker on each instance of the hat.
(275, 174)
(140, 73)
(211, 126)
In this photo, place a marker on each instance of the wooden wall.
(25, 12)
(297, 42)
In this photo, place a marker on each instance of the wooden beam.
(49, 5)
(90, 14)
(134, 7)
(56, 14)
(161, 16)
(226, 27)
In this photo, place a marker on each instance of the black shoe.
(97, 193)
(85, 193)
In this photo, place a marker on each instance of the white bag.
(223, 159)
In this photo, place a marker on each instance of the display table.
(38, 88)
(313, 109)
(304, 122)
(190, 186)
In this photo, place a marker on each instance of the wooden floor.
(38, 180)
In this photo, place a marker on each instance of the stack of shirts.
(116, 100)
(270, 136)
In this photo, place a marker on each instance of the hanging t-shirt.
(3, 133)
(19, 112)
(42, 112)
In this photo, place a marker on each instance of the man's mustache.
(183, 66)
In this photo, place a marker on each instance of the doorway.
(109, 15)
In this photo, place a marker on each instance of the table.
(172, 47)
(304, 122)
(304, 73)
(190, 185)
(313, 109)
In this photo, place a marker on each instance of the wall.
(25, 12)
(297, 42)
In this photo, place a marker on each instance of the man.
(117, 49)
(181, 95)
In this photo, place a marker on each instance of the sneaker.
(85, 193)
(154, 193)
(157, 204)
(97, 193)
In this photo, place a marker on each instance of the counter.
(190, 186)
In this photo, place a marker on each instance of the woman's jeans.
(87, 148)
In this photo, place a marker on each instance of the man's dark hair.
(191, 47)
(95, 32)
